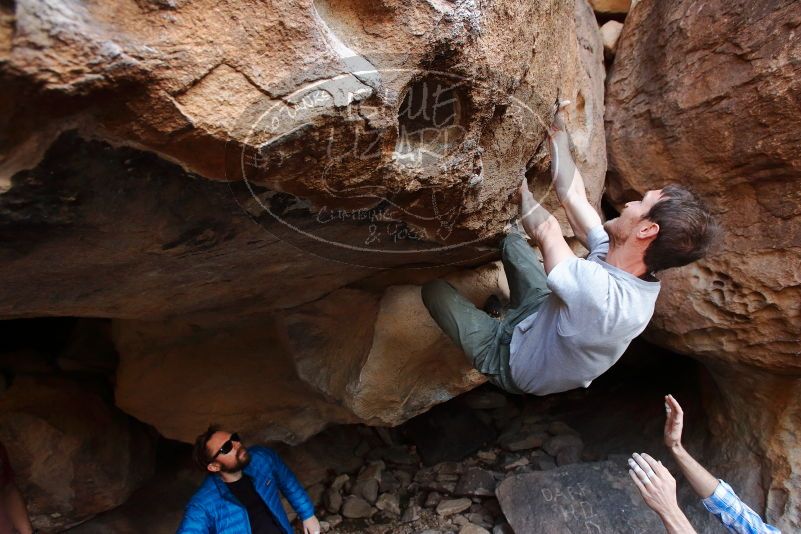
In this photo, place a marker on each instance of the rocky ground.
(396, 492)
(483, 462)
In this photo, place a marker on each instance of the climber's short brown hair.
(687, 231)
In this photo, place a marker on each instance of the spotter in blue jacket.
(214, 509)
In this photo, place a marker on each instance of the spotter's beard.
(242, 461)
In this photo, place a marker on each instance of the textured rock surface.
(579, 498)
(141, 74)
(75, 456)
(610, 33)
(757, 419)
(351, 356)
(727, 126)
(384, 358)
(182, 376)
(717, 110)
(98, 231)
(128, 129)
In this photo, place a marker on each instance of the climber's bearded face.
(231, 455)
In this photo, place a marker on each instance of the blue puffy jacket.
(214, 509)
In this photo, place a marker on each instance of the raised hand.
(558, 124)
(674, 422)
(657, 486)
(658, 489)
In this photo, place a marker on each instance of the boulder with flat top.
(594, 498)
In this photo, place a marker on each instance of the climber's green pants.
(486, 340)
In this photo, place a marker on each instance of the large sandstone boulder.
(351, 356)
(190, 169)
(74, 454)
(315, 112)
(385, 359)
(706, 95)
(182, 376)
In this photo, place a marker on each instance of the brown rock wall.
(130, 125)
(74, 455)
(221, 92)
(350, 356)
(706, 95)
(757, 420)
(393, 370)
(182, 376)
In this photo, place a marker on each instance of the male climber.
(569, 323)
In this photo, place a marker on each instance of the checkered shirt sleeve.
(735, 515)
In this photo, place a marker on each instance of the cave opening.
(72, 347)
(423, 459)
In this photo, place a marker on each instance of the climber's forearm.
(567, 181)
(699, 478)
(676, 522)
(543, 228)
(547, 234)
(569, 186)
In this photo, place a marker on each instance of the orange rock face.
(433, 109)
(718, 111)
(349, 357)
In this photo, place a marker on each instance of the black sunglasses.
(227, 446)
